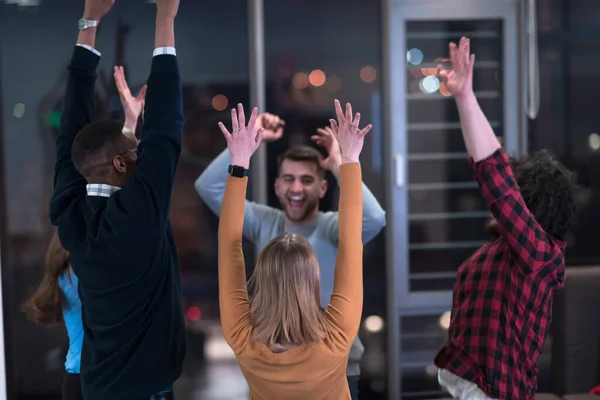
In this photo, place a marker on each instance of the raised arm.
(345, 306)
(147, 196)
(531, 246)
(373, 214)
(233, 294)
(210, 185)
(78, 111)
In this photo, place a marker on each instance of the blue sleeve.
(373, 219)
(210, 185)
(69, 185)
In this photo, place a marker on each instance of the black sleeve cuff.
(84, 59)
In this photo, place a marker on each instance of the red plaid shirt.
(502, 301)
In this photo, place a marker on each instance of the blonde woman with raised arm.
(287, 345)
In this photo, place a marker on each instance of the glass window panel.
(568, 121)
(447, 213)
(425, 198)
(422, 336)
(465, 227)
(580, 14)
(424, 108)
(442, 257)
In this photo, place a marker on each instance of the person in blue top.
(56, 300)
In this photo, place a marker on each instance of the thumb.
(142, 94)
(322, 162)
(259, 135)
(443, 74)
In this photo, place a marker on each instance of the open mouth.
(296, 202)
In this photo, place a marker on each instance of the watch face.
(82, 23)
(237, 171)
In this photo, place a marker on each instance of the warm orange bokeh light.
(220, 102)
(429, 71)
(433, 70)
(317, 77)
(444, 90)
(368, 74)
(300, 80)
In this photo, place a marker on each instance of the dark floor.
(216, 381)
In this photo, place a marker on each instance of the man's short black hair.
(547, 189)
(95, 146)
(301, 153)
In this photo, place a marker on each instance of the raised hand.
(348, 134)
(272, 125)
(459, 79)
(167, 8)
(325, 138)
(242, 142)
(132, 106)
(96, 9)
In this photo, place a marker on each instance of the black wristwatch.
(237, 171)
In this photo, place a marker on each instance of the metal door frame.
(6, 375)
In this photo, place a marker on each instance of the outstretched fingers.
(334, 126)
(356, 122)
(325, 132)
(119, 75)
(225, 131)
(348, 112)
(462, 53)
(365, 130)
(252, 121)
(338, 111)
(471, 62)
(453, 53)
(465, 45)
(234, 120)
(241, 116)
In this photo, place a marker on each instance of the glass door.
(446, 213)
(438, 214)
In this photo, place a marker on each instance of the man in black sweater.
(111, 204)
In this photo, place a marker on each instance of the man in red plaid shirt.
(502, 300)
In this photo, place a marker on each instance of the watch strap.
(85, 23)
(237, 171)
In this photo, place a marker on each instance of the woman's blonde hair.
(286, 307)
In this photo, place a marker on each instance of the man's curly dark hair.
(547, 189)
